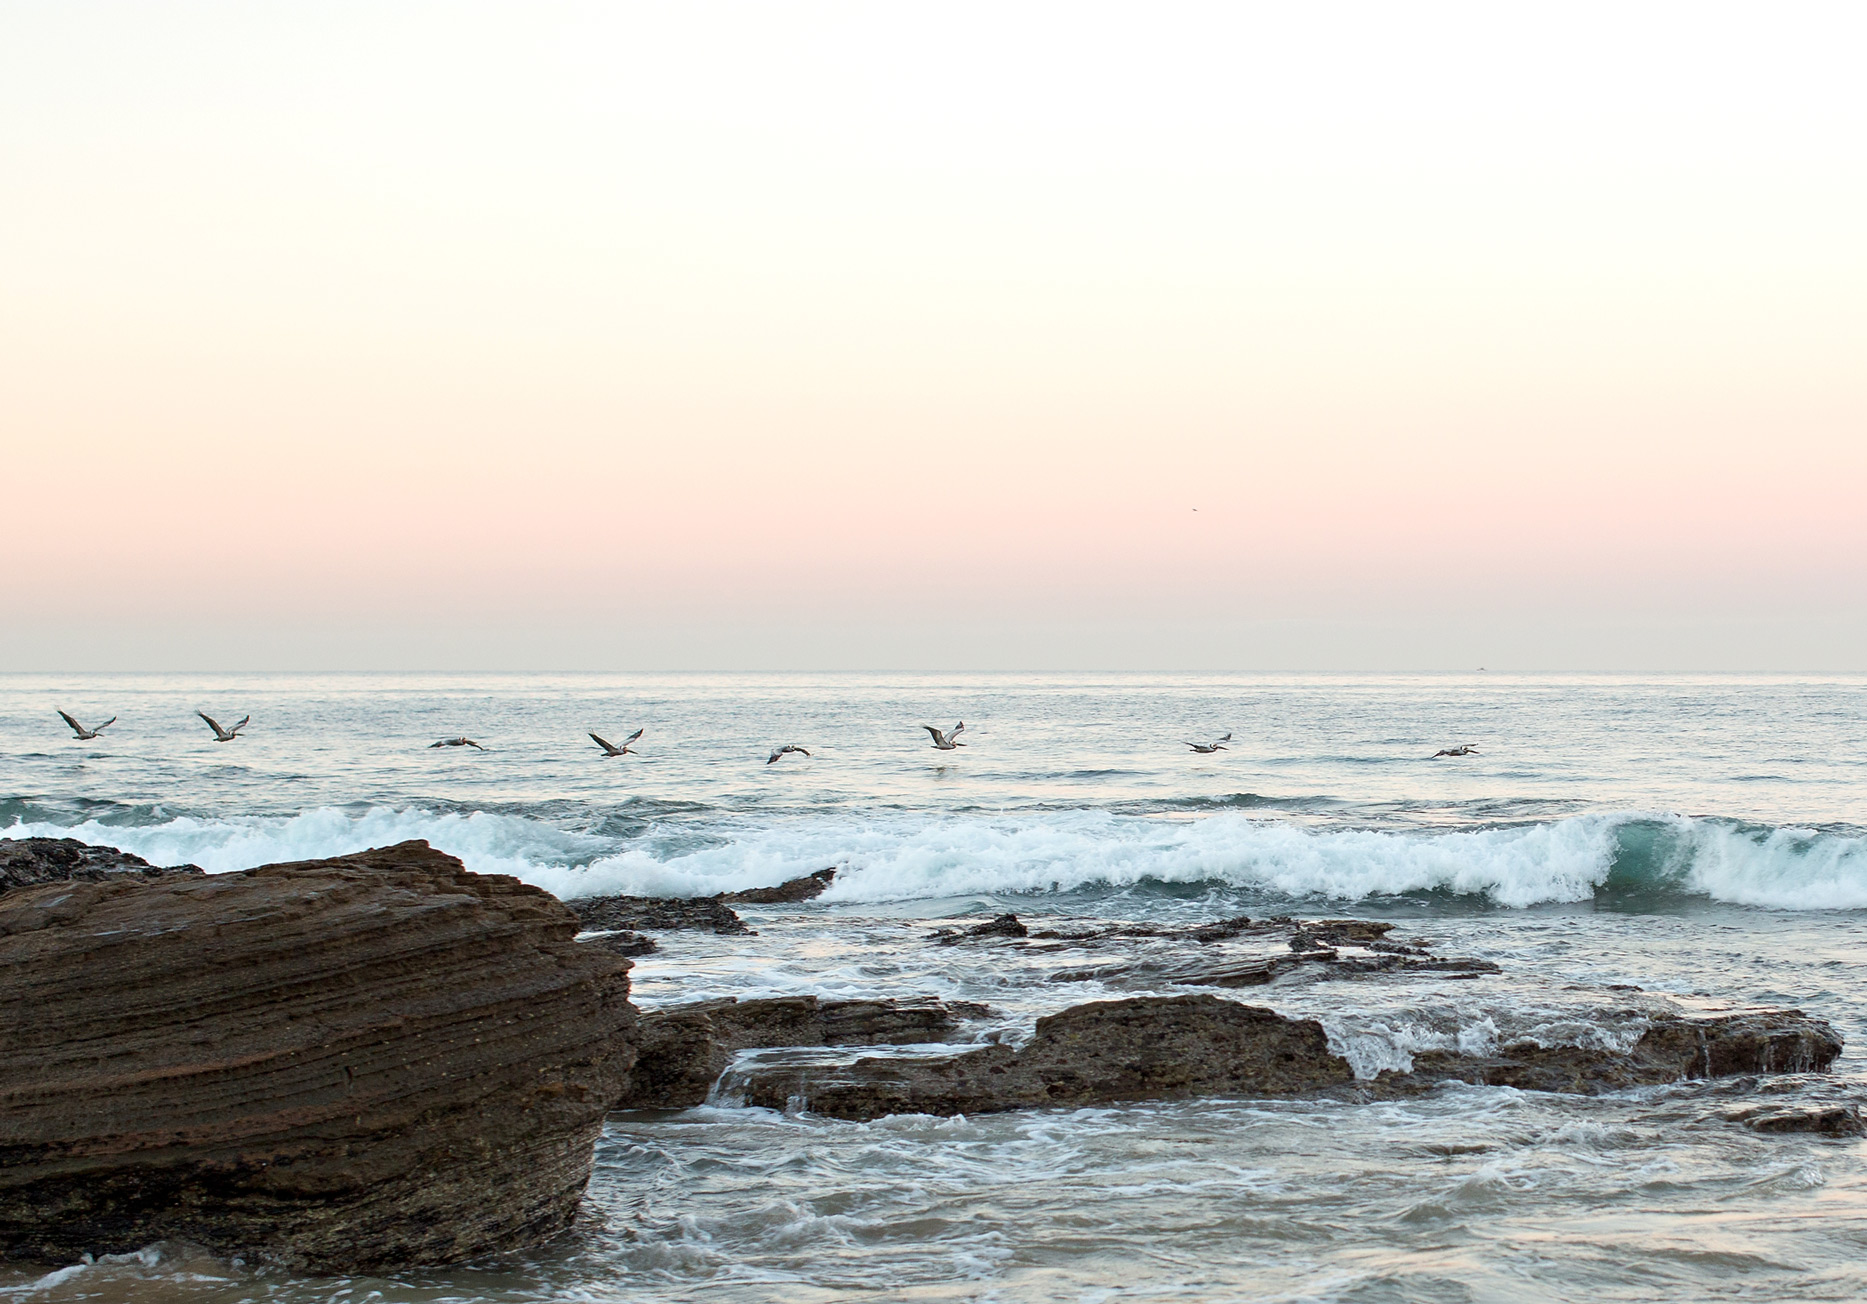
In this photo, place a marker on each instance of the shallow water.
(1611, 833)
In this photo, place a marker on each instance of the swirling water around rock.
(1610, 833)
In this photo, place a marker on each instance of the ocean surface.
(1702, 839)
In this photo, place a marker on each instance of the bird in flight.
(610, 749)
(1463, 749)
(948, 740)
(462, 741)
(1206, 749)
(223, 735)
(785, 750)
(81, 731)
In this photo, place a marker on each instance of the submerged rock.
(1821, 1120)
(1000, 926)
(1148, 1048)
(28, 862)
(683, 1049)
(363, 1063)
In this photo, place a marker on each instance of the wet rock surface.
(657, 914)
(1147, 1048)
(807, 888)
(362, 1063)
(1155, 1048)
(28, 862)
(1671, 1050)
(683, 1049)
(1818, 1120)
(712, 914)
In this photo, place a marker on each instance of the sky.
(973, 336)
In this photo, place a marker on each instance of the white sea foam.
(900, 857)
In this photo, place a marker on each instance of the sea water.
(1701, 839)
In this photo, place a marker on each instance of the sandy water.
(1611, 833)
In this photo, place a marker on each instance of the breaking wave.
(898, 857)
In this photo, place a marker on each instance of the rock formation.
(1672, 1049)
(1155, 1048)
(709, 914)
(684, 1048)
(28, 862)
(1148, 1048)
(659, 914)
(362, 1063)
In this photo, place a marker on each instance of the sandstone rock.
(362, 1063)
(683, 1049)
(28, 862)
(657, 914)
(1148, 1048)
(787, 892)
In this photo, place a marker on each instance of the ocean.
(1699, 838)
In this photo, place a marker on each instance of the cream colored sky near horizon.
(819, 335)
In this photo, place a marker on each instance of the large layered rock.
(361, 1063)
(683, 1049)
(28, 862)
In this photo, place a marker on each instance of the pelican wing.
(236, 729)
(105, 725)
(775, 755)
(604, 744)
(958, 729)
(938, 737)
(213, 724)
(634, 737)
(75, 726)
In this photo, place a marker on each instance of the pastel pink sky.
(818, 336)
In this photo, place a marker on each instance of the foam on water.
(901, 857)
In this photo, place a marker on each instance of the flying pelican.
(462, 741)
(610, 749)
(223, 735)
(945, 741)
(1224, 738)
(1463, 749)
(1206, 749)
(86, 734)
(785, 750)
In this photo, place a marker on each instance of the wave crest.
(900, 857)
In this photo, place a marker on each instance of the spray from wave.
(901, 857)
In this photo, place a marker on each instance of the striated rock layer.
(367, 1062)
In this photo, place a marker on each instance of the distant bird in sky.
(785, 750)
(457, 742)
(1206, 749)
(1463, 749)
(1224, 738)
(947, 741)
(83, 733)
(223, 735)
(610, 749)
